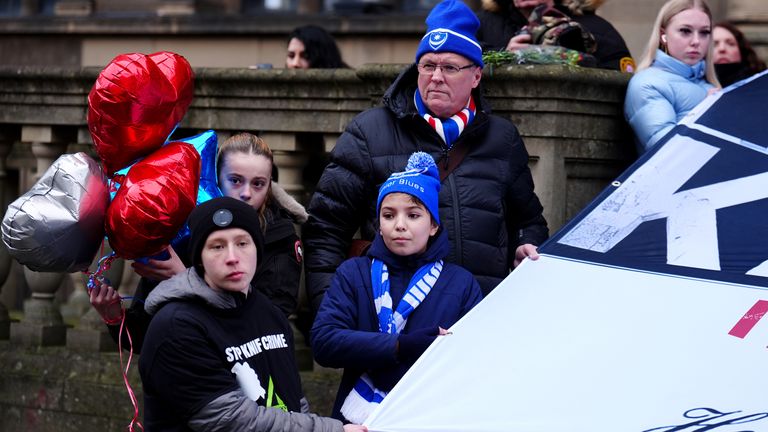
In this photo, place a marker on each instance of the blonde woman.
(674, 75)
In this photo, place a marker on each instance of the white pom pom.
(419, 161)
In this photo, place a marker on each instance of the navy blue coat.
(346, 333)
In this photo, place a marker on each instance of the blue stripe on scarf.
(418, 289)
(364, 397)
(362, 388)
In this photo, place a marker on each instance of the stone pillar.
(5, 270)
(5, 257)
(289, 161)
(42, 324)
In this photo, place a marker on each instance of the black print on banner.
(707, 419)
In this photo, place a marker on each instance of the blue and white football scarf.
(364, 397)
(448, 129)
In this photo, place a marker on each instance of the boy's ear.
(434, 228)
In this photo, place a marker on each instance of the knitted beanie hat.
(218, 214)
(420, 179)
(451, 27)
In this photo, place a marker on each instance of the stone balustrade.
(570, 118)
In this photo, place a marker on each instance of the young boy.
(383, 311)
(218, 355)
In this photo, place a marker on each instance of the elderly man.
(486, 202)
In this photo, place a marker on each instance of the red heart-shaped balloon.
(154, 201)
(135, 103)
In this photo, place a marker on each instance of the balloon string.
(135, 424)
(97, 277)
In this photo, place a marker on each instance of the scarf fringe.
(357, 407)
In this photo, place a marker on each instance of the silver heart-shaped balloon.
(58, 225)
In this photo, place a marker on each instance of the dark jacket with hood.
(487, 204)
(346, 331)
(277, 276)
(220, 361)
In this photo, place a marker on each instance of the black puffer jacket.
(487, 205)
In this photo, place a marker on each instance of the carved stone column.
(5, 270)
(5, 257)
(42, 324)
(289, 161)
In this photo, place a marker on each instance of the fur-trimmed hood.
(289, 203)
(577, 7)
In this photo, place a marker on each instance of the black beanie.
(218, 214)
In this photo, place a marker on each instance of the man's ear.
(478, 75)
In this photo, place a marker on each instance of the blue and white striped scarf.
(450, 128)
(364, 397)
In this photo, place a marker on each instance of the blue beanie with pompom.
(420, 179)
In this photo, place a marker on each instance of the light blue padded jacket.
(660, 96)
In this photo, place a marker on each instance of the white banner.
(628, 351)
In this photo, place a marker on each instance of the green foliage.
(538, 54)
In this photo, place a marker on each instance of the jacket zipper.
(457, 243)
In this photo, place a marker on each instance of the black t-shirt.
(194, 353)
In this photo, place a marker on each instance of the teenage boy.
(383, 311)
(218, 355)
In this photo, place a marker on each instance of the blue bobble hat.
(420, 179)
(451, 27)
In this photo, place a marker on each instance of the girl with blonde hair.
(674, 74)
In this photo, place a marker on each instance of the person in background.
(244, 166)
(499, 21)
(674, 75)
(502, 20)
(733, 55)
(311, 46)
(383, 310)
(487, 204)
(612, 51)
(218, 355)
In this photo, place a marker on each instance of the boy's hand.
(160, 270)
(107, 303)
(410, 346)
(525, 251)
